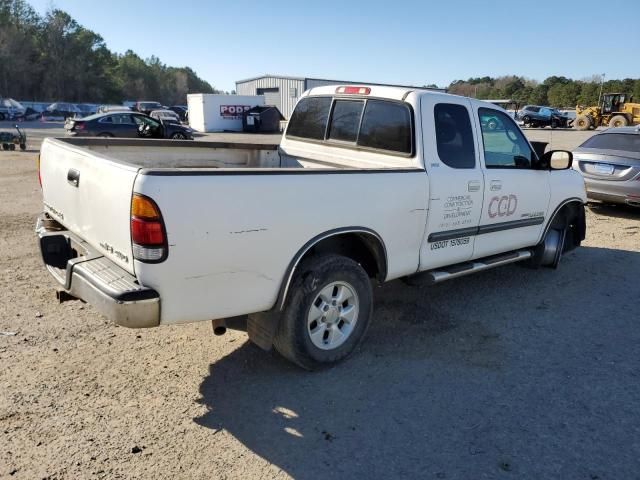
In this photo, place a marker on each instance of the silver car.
(610, 164)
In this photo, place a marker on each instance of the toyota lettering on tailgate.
(233, 112)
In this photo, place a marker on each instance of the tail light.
(148, 234)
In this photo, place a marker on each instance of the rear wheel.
(23, 146)
(618, 121)
(12, 146)
(554, 123)
(327, 313)
(583, 122)
(178, 136)
(526, 120)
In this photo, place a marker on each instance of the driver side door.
(516, 195)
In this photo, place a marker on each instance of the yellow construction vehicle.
(614, 110)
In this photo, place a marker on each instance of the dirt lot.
(508, 374)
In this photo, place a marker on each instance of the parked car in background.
(86, 109)
(181, 110)
(166, 116)
(10, 109)
(127, 125)
(113, 108)
(61, 109)
(147, 107)
(539, 116)
(609, 161)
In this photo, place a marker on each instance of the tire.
(554, 123)
(23, 146)
(178, 136)
(583, 122)
(12, 146)
(1, 117)
(312, 320)
(618, 121)
(549, 252)
(526, 120)
(5, 146)
(492, 124)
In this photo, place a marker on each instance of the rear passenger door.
(125, 125)
(455, 181)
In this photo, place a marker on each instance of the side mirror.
(556, 160)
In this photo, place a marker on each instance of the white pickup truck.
(369, 183)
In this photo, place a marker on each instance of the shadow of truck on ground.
(528, 373)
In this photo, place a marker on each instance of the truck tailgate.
(91, 196)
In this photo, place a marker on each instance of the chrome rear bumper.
(85, 274)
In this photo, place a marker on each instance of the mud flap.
(261, 328)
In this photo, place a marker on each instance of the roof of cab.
(394, 93)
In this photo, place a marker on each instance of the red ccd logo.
(503, 206)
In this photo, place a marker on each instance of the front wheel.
(327, 313)
(178, 136)
(583, 122)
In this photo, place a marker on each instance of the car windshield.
(626, 142)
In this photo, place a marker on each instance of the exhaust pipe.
(233, 323)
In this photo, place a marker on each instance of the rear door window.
(309, 119)
(345, 120)
(454, 137)
(386, 126)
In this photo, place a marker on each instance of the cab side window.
(504, 144)
(454, 137)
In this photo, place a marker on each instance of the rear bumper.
(85, 274)
(626, 192)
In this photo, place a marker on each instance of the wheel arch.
(574, 205)
(361, 244)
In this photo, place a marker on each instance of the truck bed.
(176, 154)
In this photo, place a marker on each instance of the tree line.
(53, 58)
(554, 91)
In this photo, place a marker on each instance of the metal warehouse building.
(284, 92)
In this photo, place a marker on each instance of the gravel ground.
(512, 373)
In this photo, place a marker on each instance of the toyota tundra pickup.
(368, 184)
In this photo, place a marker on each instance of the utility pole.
(601, 85)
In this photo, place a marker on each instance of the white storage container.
(210, 112)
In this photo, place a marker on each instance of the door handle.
(495, 185)
(473, 186)
(73, 177)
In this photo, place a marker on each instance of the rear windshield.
(376, 124)
(627, 142)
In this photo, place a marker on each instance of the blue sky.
(412, 43)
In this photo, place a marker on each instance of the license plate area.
(60, 253)
(603, 169)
